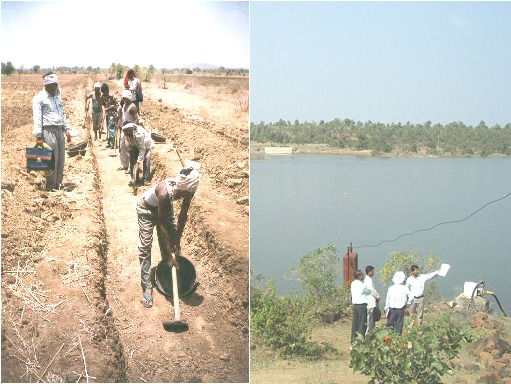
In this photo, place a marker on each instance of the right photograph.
(380, 192)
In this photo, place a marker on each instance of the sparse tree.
(7, 68)
(36, 68)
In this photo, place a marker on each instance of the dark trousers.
(395, 319)
(146, 163)
(359, 320)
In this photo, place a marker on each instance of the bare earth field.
(71, 293)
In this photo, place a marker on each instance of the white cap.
(126, 94)
(399, 277)
(97, 84)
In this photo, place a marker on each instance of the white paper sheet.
(444, 268)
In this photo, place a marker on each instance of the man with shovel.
(155, 208)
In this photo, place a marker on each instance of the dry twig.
(51, 362)
(83, 355)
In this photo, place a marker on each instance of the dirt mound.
(70, 273)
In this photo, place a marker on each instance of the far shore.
(322, 149)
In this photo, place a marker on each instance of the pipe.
(498, 302)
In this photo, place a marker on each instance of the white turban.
(51, 79)
(126, 94)
(188, 182)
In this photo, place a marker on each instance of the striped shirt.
(48, 111)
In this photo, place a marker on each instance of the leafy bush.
(421, 355)
(320, 274)
(284, 323)
(403, 260)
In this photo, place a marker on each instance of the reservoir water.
(302, 202)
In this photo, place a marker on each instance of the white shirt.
(48, 110)
(397, 296)
(142, 140)
(417, 284)
(359, 292)
(371, 299)
(133, 85)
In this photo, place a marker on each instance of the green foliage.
(117, 70)
(36, 68)
(7, 68)
(284, 323)
(320, 274)
(421, 355)
(403, 260)
(454, 138)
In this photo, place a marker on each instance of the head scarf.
(188, 183)
(51, 79)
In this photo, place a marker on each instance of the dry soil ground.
(70, 273)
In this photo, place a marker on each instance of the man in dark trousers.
(359, 294)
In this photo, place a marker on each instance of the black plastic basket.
(77, 149)
(186, 277)
(157, 138)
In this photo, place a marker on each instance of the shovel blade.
(175, 326)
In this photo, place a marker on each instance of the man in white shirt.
(397, 297)
(359, 294)
(372, 299)
(50, 124)
(416, 284)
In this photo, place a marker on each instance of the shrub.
(403, 260)
(320, 274)
(421, 355)
(284, 323)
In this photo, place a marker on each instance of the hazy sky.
(381, 61)
(166, 34)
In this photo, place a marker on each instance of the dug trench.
(71, 291)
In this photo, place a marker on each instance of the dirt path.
(75, 260)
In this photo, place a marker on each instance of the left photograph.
(125, 192)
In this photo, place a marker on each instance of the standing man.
(155, 208)
(397, 297)
(110, 104)
(97, 110)
(138, 143)
(359, 294)
(127, 112)
(50, 124)
(416, 284)
(372, 299)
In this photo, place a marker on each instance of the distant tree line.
(453, 139)
(119, 70)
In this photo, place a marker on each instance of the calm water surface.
(299, 203)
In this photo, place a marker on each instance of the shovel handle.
(183, 161)
(175, 294)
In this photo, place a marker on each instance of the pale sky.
(381, 61)
(166, 34)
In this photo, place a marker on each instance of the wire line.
(434, 226)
